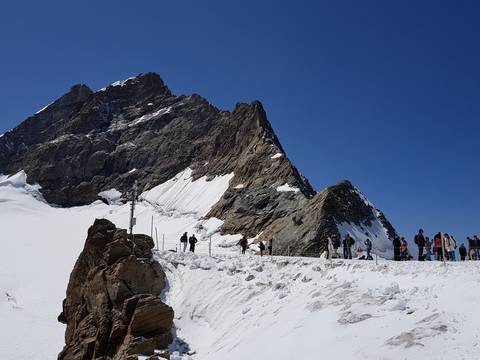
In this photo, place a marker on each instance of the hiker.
(404, 249)
(396, 248)
(477, 247)
(183, 242)
(437, 242)
(335, 245)
(471, 248)
(347, 246)
(450, 246)
(420, 242)
(428, 249)
(463, 252)
(368, 244)
(261, 245)
(243, 244)
(270, 247)
(193, 240)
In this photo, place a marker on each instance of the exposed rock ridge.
(112, 307)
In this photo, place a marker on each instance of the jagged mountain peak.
(87, 143)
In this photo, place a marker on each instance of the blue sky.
(384, 93)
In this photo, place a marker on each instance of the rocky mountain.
(89, 142)
(112, 308)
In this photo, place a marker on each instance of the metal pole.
(151, 228)
(163, 242)
(156, 237)
(210, 246)
(132, 208)
(288, 250)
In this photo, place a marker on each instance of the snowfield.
(234, 307)
(229, 306)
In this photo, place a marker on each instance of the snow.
(233, 307)
(239, 186)
(118, 83)
(276, 156)
(41, 243)
(287, 188)
(132, 171)
(151, 116)
(112, 196)
(121, 124)
(229, 306)
(376, 232)
(44, 108)
(184, 195)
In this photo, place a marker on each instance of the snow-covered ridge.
(282, 308)
(117, 83)
(44, 108)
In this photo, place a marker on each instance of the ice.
(287, 188)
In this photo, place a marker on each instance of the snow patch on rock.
(287, 188)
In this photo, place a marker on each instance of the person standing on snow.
(183, 242)
(270, 247)
(420, 242)
(471, 248)
(335, 245)
(437, 242)
(193, 240)
(404, 254)
(477, 247)
(463, 252)
(450, 246)
(347, 246)
(428, 249)
(243, 244)
(368, 244)
(396, 248)
(261, 245)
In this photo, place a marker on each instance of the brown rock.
(112, 308)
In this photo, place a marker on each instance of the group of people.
(440, 248)
(347, 244)
(184, 240)
(244, 245)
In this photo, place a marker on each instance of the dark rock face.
(309, 227)
(112, 308)
(87, 142)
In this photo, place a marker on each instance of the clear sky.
(384, 93)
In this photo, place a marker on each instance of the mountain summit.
(86, 143)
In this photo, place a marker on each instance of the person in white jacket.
(450, 246)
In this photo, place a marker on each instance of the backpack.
(416, 239)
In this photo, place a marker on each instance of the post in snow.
(133, 220)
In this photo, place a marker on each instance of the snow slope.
(228, 306)
(232, 307)
(41, 243)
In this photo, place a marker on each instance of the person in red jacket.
(438, 243)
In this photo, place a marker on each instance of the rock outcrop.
(112, 308)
